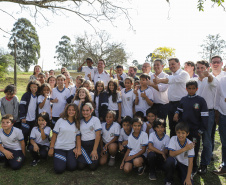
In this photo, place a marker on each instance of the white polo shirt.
(143, 105)
(218, 77)
(37, 137)
(123, 136)
(46, 107)
(88, 129)
(221, 96)
(11, 140)
(66, 134)
(104, 76)
(127, 102)
(135, 144)
(160, 144)
(58, 107)
(175, 145)
(87, 70)
(177, 85)
(161, 96)
(114, 105)
(31, 111)
(111, 132)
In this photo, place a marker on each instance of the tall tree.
(213, 45)
(99, 46)
(161, 52)
(28, 46)
(6, 61)
(64, 51)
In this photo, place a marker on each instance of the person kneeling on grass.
(110, 134)
(181, 151)
(157, 147)
(137, 144)
(12, 146)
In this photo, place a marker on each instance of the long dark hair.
(114, 93)
(36, 82)
(45, 116)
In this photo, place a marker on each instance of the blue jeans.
(207, 141)
(222, 131)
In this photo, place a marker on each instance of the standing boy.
(193, 110)
(89, 69)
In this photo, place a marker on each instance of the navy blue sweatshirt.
(193, 110)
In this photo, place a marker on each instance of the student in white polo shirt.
(65, 144)
(89, 69)
(58, 98)
(109, 143)
(157, 148)
(39, 138)
(128, 98)
(144, 95)
(177, 89)
(12, 146)
(90, 128)
(181, 151)
(101, 74)
(136, 153)
(44, 99)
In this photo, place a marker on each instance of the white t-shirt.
(135, 144)
(123, 136)
(46, 107)
(11, 140)
(158, 143)
(87, 70)
(66, 134)
(36, 135)
(104, 76)
(174, 145)
(88, 129)
(114, 105)
(111, 132)
(31, 111)
(58, 107)
(221, 96)
(127, 102)
(143, 105)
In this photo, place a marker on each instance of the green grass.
(43, 173)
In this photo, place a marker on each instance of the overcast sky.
(155, 23)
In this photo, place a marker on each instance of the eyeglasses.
(216, 62)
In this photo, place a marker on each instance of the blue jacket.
(24, 103)
(103, 104)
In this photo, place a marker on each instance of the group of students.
(90, 126)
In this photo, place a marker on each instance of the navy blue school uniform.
(101, 105)
(193, 110)
(11, 142)
(88, 134)
(28, 109)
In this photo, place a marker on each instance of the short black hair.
(127, 119)
(89, 59)
(158, 122)
(145, 75)
(216, 56)
(203, 62)
(10, 89)
(152, 110)
(119, 66)
(192, 82)
(190, 63)
(139, 114)
(182, 126)
(134, 120)
(159, 60)
(175, 59)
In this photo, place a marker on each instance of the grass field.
(43, 173)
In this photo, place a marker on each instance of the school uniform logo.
(141, 146)
(14, 139)
(196, 106)
(91, 128)
(186, 154)
(65, 97)
(128, 98)
(162, 147)
(19, 159)
(112, 134)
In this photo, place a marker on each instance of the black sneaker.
(202, 170)
(34, 162)
(140, 170)
(152, 176)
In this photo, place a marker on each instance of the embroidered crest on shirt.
(19, 159)
(196, 106)
(91, 128)
(112, 134)
(128, 98)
